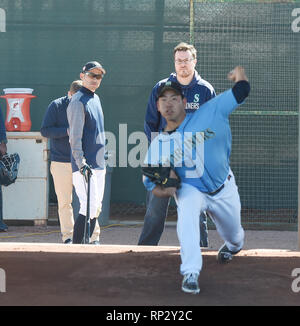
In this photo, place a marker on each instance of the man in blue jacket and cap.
(87, 142)
(55, 127)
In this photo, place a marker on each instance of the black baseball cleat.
(190, 283)
(204, 243)
(225, 255)
(95, 242)
(68, 241)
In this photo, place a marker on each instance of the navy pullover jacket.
(87, 135)
(54, 126)
(197, 92)
(2, 129)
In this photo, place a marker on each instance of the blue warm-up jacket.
(54, 126)
(2, 129)
(197, 92)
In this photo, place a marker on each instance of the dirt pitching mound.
(111, 275)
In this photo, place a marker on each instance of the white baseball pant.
(225, 211)
(97, 184)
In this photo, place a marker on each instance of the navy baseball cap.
(92, 65)
(169, 85)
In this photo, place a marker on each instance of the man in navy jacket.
(3, 149)
(54, 127)
(87, 141)
(197, 91)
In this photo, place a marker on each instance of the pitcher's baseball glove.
(160, 175)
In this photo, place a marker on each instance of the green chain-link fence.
(264, 158)
(46, 42)
(258, 36)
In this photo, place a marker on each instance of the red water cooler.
(18, 108)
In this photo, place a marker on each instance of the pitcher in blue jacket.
(198, 147)
(197, 91)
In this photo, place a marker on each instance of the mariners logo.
(195, 104)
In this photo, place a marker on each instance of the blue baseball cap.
(169, 85)
(92, 65)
